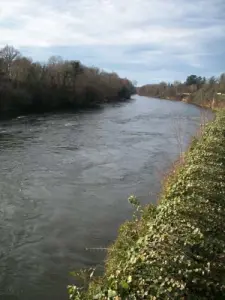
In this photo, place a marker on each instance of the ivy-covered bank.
(177, 249)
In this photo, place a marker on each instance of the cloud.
(151, 35)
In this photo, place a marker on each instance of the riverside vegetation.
(196, 89)
(175, 250)
(32, 87)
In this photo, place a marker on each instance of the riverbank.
(210, 104)
(195, 90)
(176, 249)
(62, 109)
(206, 104)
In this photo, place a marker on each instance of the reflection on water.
(64, 183)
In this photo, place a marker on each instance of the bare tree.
(8, 54)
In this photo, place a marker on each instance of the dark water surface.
(64, 183)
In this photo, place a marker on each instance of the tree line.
(29, 87)
(195, 89)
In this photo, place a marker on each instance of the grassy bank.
(176, 250)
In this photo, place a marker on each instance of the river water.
(64, 183)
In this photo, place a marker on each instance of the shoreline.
(206, 105)
(66, 109)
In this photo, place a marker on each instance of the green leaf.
(111, 293)
(124, 285)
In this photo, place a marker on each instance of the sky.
(143, 40)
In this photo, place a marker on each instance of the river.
(64, 183)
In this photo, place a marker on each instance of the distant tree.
(192, 79)
(222, 83)
(203, 80)
(55, 60)
(212, 80)
(20, 68)
(198, 81)
(8, 54)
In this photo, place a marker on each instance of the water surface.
(64, 183)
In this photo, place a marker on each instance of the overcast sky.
(144, 40)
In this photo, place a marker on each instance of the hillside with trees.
(31, 87)
(196, 89)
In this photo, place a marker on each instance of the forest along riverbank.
(65, 179)
(33, 87)
(196, 90)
